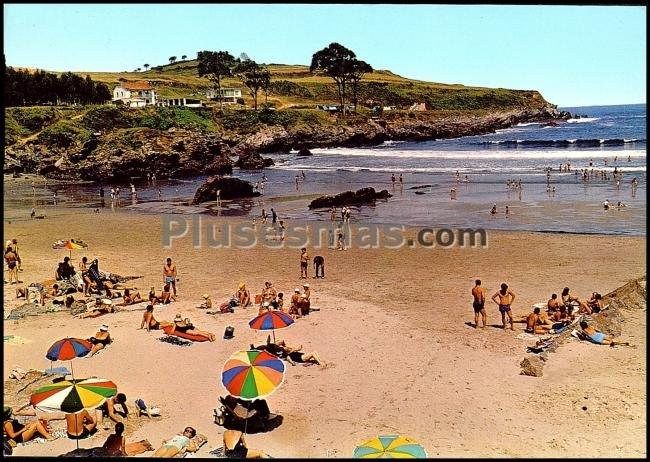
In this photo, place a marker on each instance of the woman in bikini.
(505, 298)
(177, 444)
(100, 340)
(186, 326)
(149, 322)
(130, 298)
(22, 433)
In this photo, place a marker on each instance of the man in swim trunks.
(304, 260)
(505, 298)
(108, 409)
(269, 294)
(534, 323)
(169, 274)
(553, 304)
(478, 293)
(596, 336)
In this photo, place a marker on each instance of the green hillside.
(295, 86)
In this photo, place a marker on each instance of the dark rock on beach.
(253, 161)
(229, 187)
(303, 152)
(362, 196)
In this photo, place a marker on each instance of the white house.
(183, 102)
(226, 95)
(135, 93)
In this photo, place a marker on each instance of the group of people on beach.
(557, 315)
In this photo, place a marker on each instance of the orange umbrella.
(72, 246)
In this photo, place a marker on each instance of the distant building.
(182, 102)
(331, 108)
(418, 107)
(226, 95)
(135, 93)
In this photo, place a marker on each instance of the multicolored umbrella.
(271, 320)
(73, 396)
(252, 374)
(70, 245)
(67, 349)
(390, 446)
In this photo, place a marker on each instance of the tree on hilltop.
(355, 73)
(138, 69)
(184, 57)
(146, 66)
(172, 59)
(341, 65)
(214, 65)
(253, 76)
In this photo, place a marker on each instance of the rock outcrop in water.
(228, 187)
(361, 196)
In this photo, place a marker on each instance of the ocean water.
(605, 138)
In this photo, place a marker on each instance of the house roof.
(136, 85)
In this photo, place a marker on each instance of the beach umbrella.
(72, 246)
(67, 349)
(252, 374)
(73, 396)
(390, 447)
(271, 320)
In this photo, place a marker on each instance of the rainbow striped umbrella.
(252, 374)
(73, 396)
(391, 447)
(271, 320)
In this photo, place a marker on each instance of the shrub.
(107, 117)
(63, 134)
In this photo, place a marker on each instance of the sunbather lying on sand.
(596, 336)
(234, 447)
(99, 307)
(293, 355)
(130, 298)
(186, 326)
(177, 444)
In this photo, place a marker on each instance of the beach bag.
(229, 333)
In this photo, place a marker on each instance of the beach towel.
(137, 447)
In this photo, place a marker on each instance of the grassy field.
(294, 86)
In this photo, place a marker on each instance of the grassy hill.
(294, 86)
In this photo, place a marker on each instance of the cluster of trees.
(24, 88)
(215, 65)
(342, 65)
(335, 61)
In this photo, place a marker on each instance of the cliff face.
(121, 153)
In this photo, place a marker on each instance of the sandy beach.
(391, 329)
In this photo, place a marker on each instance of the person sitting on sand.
(130, 298)
(186, 326)
(264, 308)
(280, 301)
(553, 304)
(293, 355)
(100, 340)
(234, 447)
(243, 295)
(593, 305)
(108, 410)
(64, 270)
(149, 322)
(269, 294)
(534, 324)
(177, 444)
(99, 307)
(152, 295)
(305, 303)
(80, 425)
(568, 299)
(294, 308)
(116, 442)
(166, 296)
(22, 433)
(562, 315)
(207, 302)
(596, 336)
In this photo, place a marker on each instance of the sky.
(574, 55)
